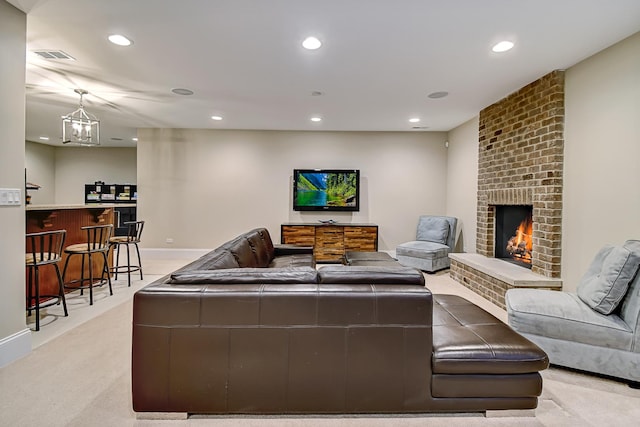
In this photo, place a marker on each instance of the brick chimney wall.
(521, 144)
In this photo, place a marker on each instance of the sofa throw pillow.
(433, 229)
(607, 280)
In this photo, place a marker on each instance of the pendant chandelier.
(80, 127)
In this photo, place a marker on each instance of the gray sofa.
(596, 329)
(435, 238)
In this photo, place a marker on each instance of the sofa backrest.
(219, 259)
(216, 259)
(266, 239)
(261, 246)
(241, 251)
(253, 249)
(630, 307)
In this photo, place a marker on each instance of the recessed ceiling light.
(503, 46)
(316, 119)
(216, 117)
(436, 95)
(182, 91)
(414, 120)
(120, 40)
(134, 139)
(311, 43)
(44, 138)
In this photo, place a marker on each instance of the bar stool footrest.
(96, 284)
(55, 300)
(125, 269)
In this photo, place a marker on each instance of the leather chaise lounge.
(229, 335)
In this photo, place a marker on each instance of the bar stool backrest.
(45, 247)
(134, 231)
(98, 237)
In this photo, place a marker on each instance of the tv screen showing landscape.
(326, 189)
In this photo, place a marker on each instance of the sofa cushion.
(433, 229)
(396, 275)
(259, 248)
(243, 253)
(247, 276)
(606, 281)
(266, 240)
(422, 249)
(219, 259)
(468, 340)
(630, 305)
(563, 316)
(350, 256)
(296, 260)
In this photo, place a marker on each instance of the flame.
(521, 245)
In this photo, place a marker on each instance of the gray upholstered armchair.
(435, 238)
(596, 329)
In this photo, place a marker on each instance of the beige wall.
(462, 182)
(15, 338)
(203, 187)
(40, 162)
(77, 166)
(63, 171)
(602, 155)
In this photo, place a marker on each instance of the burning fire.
(520, 245)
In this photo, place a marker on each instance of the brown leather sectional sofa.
(229, 335)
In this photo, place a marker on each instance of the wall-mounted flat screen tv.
(326, 190)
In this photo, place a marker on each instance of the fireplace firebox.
(514, 234)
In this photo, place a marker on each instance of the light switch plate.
(10, 197)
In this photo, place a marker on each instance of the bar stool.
(44, 249)
(133, 237)
(97, 243)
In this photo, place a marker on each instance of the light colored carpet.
(79, 375)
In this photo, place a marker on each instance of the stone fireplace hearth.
(520, 162)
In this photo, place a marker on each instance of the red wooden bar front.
(70, 218)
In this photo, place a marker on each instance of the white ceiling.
(243, 60)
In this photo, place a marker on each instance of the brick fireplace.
(520, 162)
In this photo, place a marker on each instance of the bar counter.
(71, 218)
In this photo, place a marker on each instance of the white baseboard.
(162, 253)
(15, 346)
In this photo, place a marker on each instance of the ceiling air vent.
(53, 54)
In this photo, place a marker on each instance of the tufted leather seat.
(474, 348)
